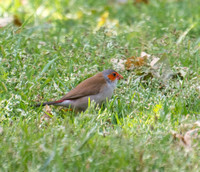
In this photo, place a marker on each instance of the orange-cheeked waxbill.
(98, 88)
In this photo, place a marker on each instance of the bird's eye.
(114, 74)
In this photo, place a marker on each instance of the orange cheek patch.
(111, 77)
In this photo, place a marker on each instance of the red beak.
(120, 77)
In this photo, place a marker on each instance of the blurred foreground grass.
(61, 43)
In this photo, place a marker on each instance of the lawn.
(152, 122)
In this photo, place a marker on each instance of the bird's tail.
(49, 103)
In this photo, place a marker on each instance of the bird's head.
(111, 75)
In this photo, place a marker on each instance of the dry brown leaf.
(5, 21)
(155, 67)
(39, 98)
(189, 135)
(186, 139)
(118, 64)
(181, 138)
(134, 62)
(47, 115)
(48, 109)
(8, 20)
(16, 21)
(141, 1)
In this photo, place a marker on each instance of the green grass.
(58, 46)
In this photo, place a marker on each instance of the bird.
(97, 88)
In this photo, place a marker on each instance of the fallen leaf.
(162, 69)
(48, 109)
(8, 20)
(154, 61)
(141, 1)
(47, 115)
(190, 134)
(39, 98)
(118, 64)
(17, 21)
(5, 21)
(140, 61)
(133, 62)
(148, 66)
(143, 54)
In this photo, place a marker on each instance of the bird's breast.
(105, 93)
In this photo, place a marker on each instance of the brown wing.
(90, 86)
